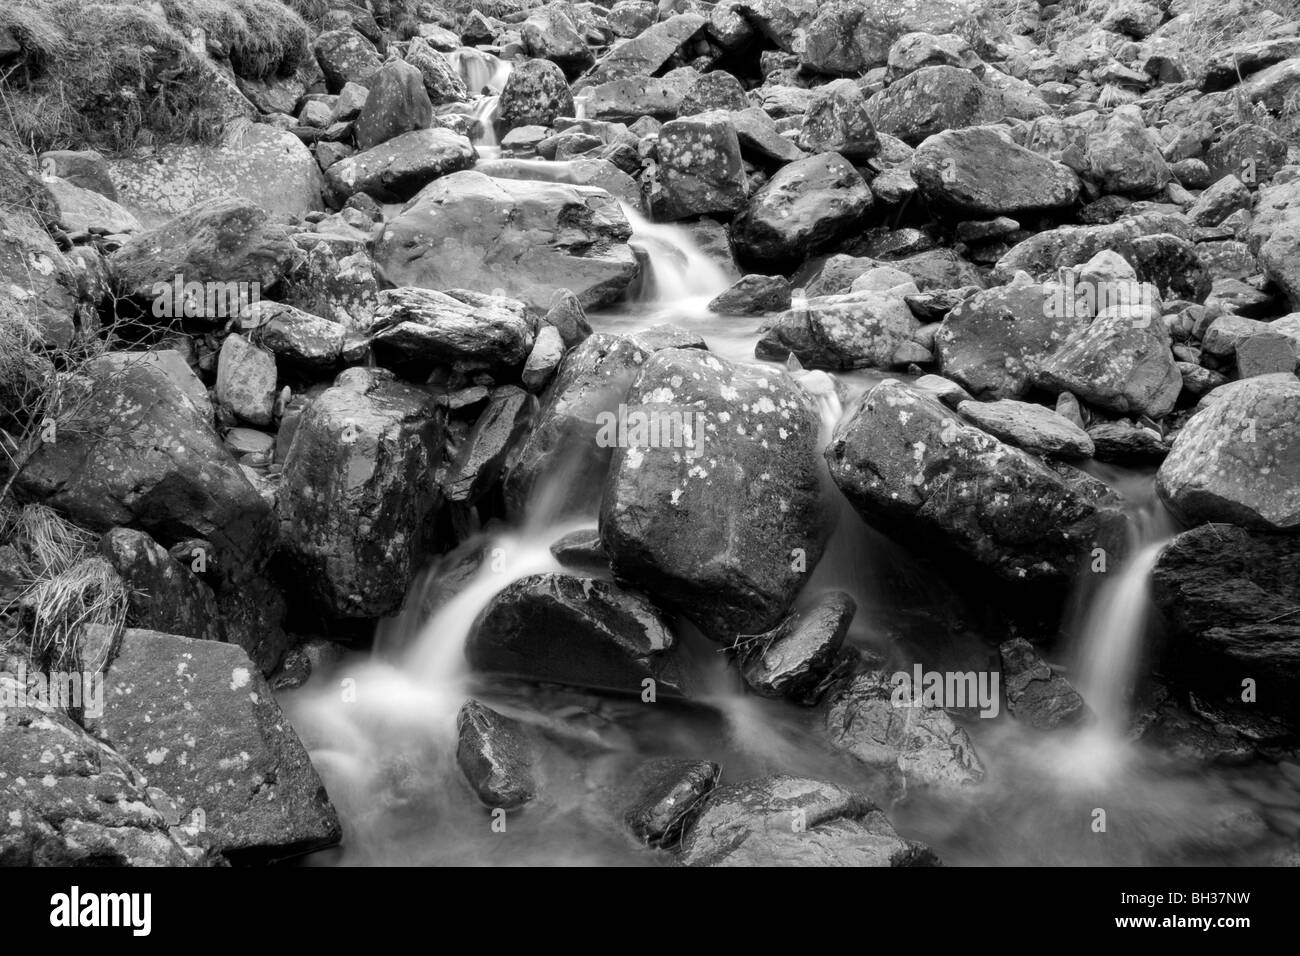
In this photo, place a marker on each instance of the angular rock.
(299, 337)
(979, 172)
(164, 595)
(397, 104)
(668, 795)
(466, 330)
(397, 169)
(1035, 695)
(246, 379)
(499, 428)
(700, 170)
(855, 330)
(794, 659)
(650, 51)
(495, 755)
(934, 99)
(837, 121)
(753, 294)
(1032, 427)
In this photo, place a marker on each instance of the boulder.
(397, 169)
(854, 330)
(981, 173)
(700, 170)
(796, 658)
(536, 94)
(465, 330)
(837, 121)
(397, 104)
(934, 99)
(1032, 427)
(246, 379)
(1124, 158)
(164, 595)
(667, 797)
(495, 755)
(1035, 695)
(468, 230)
(649, 52)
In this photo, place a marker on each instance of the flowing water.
(381, 726)
(485, 77)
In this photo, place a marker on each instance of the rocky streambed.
(711, 434)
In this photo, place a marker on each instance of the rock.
(991, 342)
(345, 56)
(246, 379)
(467, 330)
(442, 84)
(501, 426)
(220, 242)
(85, 210)
(700, 170)
(1249, 151)
(753, 295)
(202, 721)
(462, 230)
(837, 121)
(790, 821)
(1219, 201)
(397, 104)
(910, 466)
(495, 755)
(1273, 87)
(718, 90)
(1035, 695)
(912, 51)
(37, 281)
(855, 330)
(1135, 18)
(578, 631)
(357, 496)
(545, 357)
(1120, 362)
(1266, 353)
(1230, 596)
(164, 595)
(760, 139)
(807, 206)
(934, 99)
(1123, 157)
(795, 658)
(299, 337)
(263, 166)
(397, 169)
(1227, 67)
(627, 100)
(922, 743)
(649, 52)
(628, 18)
(567, 315)
(550, 34)
(668, 796)
(1127, 444)
(1032, 427)
(596, 173)
(162, 468)
(70, 800)
(979, 172)
(84, 168)
(1239, 459)
(706, 517)
(536, 93)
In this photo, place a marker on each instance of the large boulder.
(139, 452)
(853, 330)
(345, 56)
(1232, 599)
(535, 94)
(980, 173)
(357, 494)
(468, 331)
(700, 170)
(791, 821)
(202, 723)
(396, 170)
(909, 464)
(934, 99)
(550, 33)
(267, 167)
(837, 121)
(219, 242)
(38, 283)
(1123, 158)
(578, 631)
(528, 238)
(805, 207)
(713, 504)
(397, 104)
(649, 52)
(1239, 459)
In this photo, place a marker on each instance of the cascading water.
(485, 77)
(678, 271)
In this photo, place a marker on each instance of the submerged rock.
(668, 795)
(495, 755)
(1035, 695)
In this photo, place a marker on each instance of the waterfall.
(481, 72)
(679, 272)
(485, 119)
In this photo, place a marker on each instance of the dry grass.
(64, 585)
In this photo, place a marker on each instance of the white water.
(485, 77)
(680, 273)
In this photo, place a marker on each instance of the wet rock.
(980, 172)
(700, 170)
(246, 377)
(536, 93)
(398, 168)
(1231, 597)
(990, 343)
(1124, 443)
(790, 821)
(460, 231)
(597, 173)
(668, 796)
(566, 315)
(164, 595)
(499, 428)
(545, 357)
(721, 517)
(70, 800)
(807, 206)
(837, 121)
(163, 468)
(299, 337)
(1032, 427)
(201, 721)
(580, 549)
(222, 241)
(578, 631)
(921, 742)
(1239, 459)
(934, 99)
(856, 330)
(753, 294)
(397, 104)
(1035, 695)
(795, 658)
(495, 755)
(908, 464)
(357, 494)
(467, 330)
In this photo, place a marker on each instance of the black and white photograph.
(614, 434)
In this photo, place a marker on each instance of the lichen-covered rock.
(855, 330)
(397, 104)
(1032, 427)
(164, 594)
(700, 170)
(981, 173)
(535, 94)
